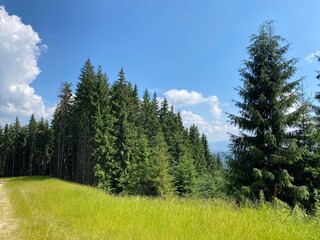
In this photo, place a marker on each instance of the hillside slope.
(47, 208)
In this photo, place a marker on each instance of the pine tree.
(264, 152)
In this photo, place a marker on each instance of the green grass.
(48, 208)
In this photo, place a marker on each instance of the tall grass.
(53, 209)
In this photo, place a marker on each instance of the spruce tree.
(309, 137)
(83, 123)
(184, 170)
(43, 148)
(198, 151)
(140, 174)
(264, 151)
(61, 125)
(181, 162)
(149, 120)
(8, 147)
(209, 159)
(16, 152)
(156, 127)
(171, 133)
(218, 166)
(307, 171)
(22, 148)
(162, 180)
(103, 140)
(124, 110)
(31, 140)
(185, 175)
(20, 145)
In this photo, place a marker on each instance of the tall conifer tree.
(149, 120)
(62, 129)
(31, 140)
(198, 151)
(307, 170)
(103, 140)
(264, 152)
(123, 100)
(83, 123)
(16, 152)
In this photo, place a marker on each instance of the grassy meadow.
(47, 208)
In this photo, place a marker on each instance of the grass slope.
(47, 208)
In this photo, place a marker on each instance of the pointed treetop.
(122, 78)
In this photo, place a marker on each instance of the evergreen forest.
(105, 135)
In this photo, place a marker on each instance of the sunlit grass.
(53, 209)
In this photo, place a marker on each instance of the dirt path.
(8, 225)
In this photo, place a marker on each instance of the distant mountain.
(221, 146)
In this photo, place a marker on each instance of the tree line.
(106, 136)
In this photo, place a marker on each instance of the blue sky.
(187, 51)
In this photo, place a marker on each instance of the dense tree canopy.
(107, 137)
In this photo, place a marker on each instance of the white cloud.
(181, 98)
(312, 56)
(20, 47)
(216, 131)
(215, 108)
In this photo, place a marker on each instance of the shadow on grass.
(27, 178)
